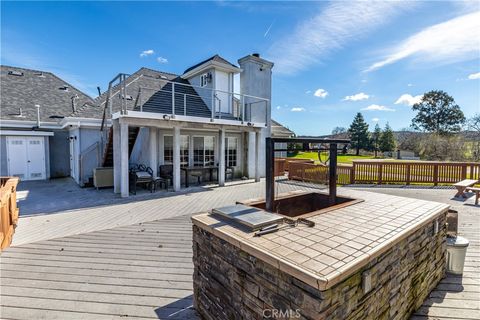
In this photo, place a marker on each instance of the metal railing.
(179, 99)
(90, 158)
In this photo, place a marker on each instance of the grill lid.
(251, 217)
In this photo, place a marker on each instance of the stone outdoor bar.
(371, 256)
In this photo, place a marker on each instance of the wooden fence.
(9, 210)
(388, 172)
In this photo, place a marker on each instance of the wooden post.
(221, 161)
(269, 175)
(176, 159)
(464, 171)
(408, 174)
(380, 173)
(435, 174)
(352, 174)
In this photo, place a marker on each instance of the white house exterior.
(149, 117)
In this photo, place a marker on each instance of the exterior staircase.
(108, 155)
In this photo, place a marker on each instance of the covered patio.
(248, 155)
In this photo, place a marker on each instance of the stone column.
(258, 150)
(221, 152)
(124, 160)
(153, 145)
(176, 159)
(116, 155)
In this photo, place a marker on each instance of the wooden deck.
(144, 271)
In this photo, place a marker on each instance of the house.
(37, 114)
(150, 117)
(279, 131)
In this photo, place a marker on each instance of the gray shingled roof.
(216, 58)
(156, 94)
(279, 130)
(42, 88)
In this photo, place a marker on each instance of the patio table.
(210, 169)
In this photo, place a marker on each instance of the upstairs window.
(204, 80)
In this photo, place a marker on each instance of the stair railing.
(86, 158)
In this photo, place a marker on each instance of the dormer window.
(205, 79)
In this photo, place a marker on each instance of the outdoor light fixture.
(166, 117)
(249, 124)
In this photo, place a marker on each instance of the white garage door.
(26, 157)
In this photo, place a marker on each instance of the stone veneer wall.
(232, 284)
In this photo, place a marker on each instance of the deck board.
(102, 275)
(144, 271)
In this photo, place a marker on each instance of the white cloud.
(336, 25)
(297, 109)
(278, 107)
(375, 119)
(357, 97)
(321, 93)
(146, 53)
(408, 99)
(308, 91)
(376, 107)
(447, 42)
(162, 60)
(409, 85)
(474, 76)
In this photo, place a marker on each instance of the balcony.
(180, 100)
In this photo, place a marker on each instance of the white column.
(153, 145)
(251, 155)
(116, 156)
(176, 159)
(124, 160)
(257, 156)
(221, 152)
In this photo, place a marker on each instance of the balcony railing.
(181, 99)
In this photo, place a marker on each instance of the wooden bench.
(462, 186)
(477, 193)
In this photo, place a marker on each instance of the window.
(231, 151)
(204, 79)
(168, 150)
(203, 151)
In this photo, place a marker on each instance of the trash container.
(456, 251)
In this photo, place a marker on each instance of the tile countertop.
(341, 242)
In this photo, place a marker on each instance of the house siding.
(59, 154)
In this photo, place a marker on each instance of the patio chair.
(141, 177)
(165, 171)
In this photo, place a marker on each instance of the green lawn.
(341, 158)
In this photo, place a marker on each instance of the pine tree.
(387, 139)
(359, 135)
(377, 133)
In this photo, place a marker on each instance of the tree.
(359, 135)
(377, 133)
(338, 130)
(387, 139)
(437, 113)
(474, 125)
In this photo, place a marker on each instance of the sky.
(332, 59)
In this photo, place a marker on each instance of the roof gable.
(215, 58)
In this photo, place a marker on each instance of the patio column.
(124, 160)
(221, 152)
(153, 149)
(176, 159)
(257, 156)
(116, 156)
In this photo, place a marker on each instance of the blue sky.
(332, 59)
